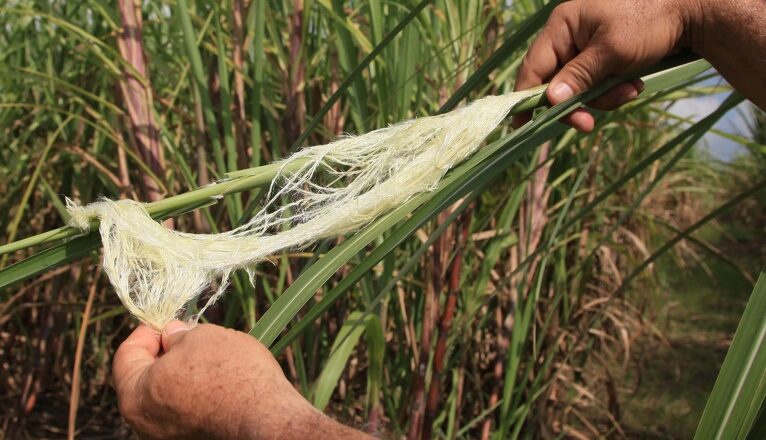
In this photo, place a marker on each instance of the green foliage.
(340, 352)
(734, 407)
(557, 224)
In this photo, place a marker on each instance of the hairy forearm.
(318, 426)
(731, 35)
(212, 383)
(295, 419)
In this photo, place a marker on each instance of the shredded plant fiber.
(341, 187)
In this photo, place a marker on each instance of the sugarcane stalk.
(234, 182)
(247, 180)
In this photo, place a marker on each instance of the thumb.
(585, 70)
(133, 357)
(172, 333)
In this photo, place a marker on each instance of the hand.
(210, 382)
(586, 41)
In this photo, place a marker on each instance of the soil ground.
(664, 391)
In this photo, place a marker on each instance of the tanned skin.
(210, 382)
(586, 41)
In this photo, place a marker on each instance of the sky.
(735, 121)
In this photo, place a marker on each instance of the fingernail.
(639, 85)
(175, 327)
(630, 93)
(560, 92)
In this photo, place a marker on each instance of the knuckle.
(198, 333)
(622, 57)
(521, 73)
(580, 72)
(211, 335)
(208, 331)
(527, 74)
(562, 11)
(119, 354)
(207, 328)
(525, 63)
(613, 48)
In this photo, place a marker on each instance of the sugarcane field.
(411, 219)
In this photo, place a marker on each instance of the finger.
(135, 355)
(538, 64)
(618, 95)
(552, 48)
(581, 120)
(172, 333)
(591, 66)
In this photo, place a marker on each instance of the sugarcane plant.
(201, 110)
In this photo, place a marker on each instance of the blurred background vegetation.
(546, 303)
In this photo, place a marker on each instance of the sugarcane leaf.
(738, 393)
(342, 348)
(356, 73)
(477, 171)
(49, 259)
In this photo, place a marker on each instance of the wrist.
(284, 415)
(705, 21)
(289, 416)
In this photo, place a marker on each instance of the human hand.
(586, 41)
(210, 382)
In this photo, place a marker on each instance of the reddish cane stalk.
(430, 312)
(138, 96)
(445, 325)
(295, 102)
(238, 56)
(533, 218)
(334, 119)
